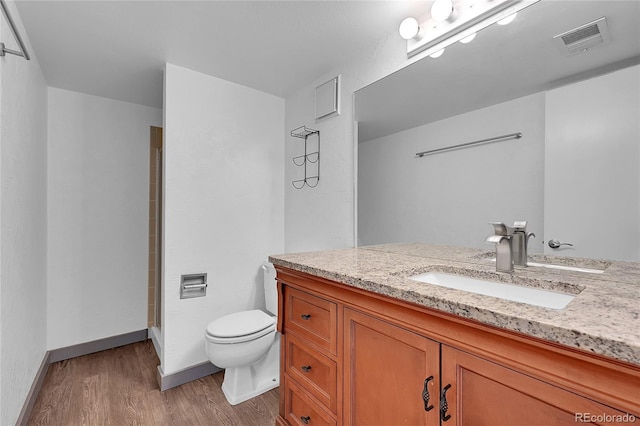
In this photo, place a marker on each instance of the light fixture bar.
(473, 16)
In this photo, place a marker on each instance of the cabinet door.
(385, 370)
(488, 394)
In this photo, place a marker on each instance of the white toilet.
(247, 346)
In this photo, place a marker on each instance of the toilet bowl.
(247, 345)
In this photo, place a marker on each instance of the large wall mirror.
(574, 175)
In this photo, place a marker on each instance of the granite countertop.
(604, 317)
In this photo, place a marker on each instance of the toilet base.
(243, 383)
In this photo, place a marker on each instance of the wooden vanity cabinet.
(352, 357)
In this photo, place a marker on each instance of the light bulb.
(409, 28)
(441, 10)
(437, 54)
(509, 19)
(468, 38)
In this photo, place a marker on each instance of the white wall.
(592, 129)
(23, 289)
(223, 203)
(449, 198)
(324, 217)
(98, 205)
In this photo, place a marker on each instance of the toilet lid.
(240, 324)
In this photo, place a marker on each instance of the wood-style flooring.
(119, 387)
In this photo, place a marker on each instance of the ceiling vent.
(584, 37)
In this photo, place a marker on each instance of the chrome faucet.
(502, 240)
(519, 242)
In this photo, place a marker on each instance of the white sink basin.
(532, 296)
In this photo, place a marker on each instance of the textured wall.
(98, 171)
(23, 209)
(224, 202)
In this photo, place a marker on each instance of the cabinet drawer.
(311, 317)
(316, 372)
(301, 410)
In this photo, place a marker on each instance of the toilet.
(247, 345)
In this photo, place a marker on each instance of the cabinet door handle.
(305, 317)
(425, 394)
(305, 368)
(305, 419)
(443, 404)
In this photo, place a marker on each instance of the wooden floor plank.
(93, 403)
(59, 381)
(119, 387)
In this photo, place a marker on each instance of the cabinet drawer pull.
(305, 317)
(425, 394)
(305, 368)
(305, 419)
(443, 404)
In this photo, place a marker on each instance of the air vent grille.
(584, 37)
(576, 36)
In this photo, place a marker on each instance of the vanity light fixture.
(455, 20)
(468, 39)
(437, 54)
(509, 19)
(443, 10)
(410, 29)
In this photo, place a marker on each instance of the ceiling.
(117, 49)
(500, 64)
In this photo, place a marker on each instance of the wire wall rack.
(310, 160)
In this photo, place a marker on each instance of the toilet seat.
(240, 327)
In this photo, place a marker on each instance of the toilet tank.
(270, 288)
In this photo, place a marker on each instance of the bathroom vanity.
(365, 344)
